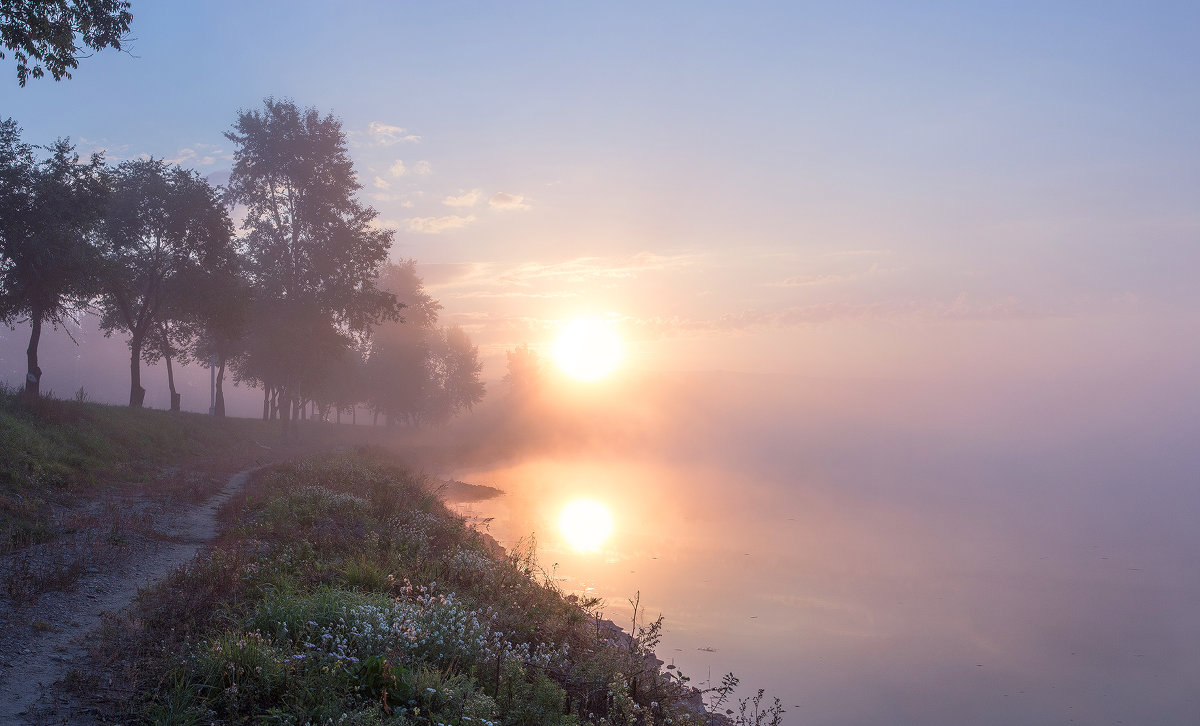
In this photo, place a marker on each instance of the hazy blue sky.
(996, 208)
(863, 188)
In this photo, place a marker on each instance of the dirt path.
(43, 643)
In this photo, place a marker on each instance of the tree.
(312, 250)
(46, 32)
(397, 372)
(221, 316)
(48, 213)
(417, 372)
(525, 371)
(457, 369)
(164, 225)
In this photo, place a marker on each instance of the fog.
(887, 551)
(941, 551)
(78, 356)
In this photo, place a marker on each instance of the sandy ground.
(41, 643)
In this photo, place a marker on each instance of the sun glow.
(588, 349)
(585, 524)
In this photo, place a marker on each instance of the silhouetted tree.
(525, 371)
(221, 313)
(164, 226)
(455, 369)
(312, 250)
(397, 378)
(45, 35)
(48, 212)
(417, 372)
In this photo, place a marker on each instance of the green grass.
(56, 451)
(344, 591)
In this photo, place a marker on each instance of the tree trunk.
(288, 410)
(219, 410)
(339, 414)
(33, 375)
(137, 394)
(266, 402)
(171, 383)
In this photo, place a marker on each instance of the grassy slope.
(344, 591)
(59, 450)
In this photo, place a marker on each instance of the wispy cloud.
(810, 280)
(564, 279)
(200, 155)
(828, 278)
(465, 199)
(387, 134)
(798, 316)
(381, 183)
(505, 201)
(421, 168)
(437, 225)
(582, 269)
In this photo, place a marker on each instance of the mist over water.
(966, 549)
(893, 552)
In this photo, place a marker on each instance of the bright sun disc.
(588, 349)
(585, 524)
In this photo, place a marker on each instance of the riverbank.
(342, 590)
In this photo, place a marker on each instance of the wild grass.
(79, 480)
(344, 592)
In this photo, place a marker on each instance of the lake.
(867, 572)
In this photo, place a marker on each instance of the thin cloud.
(201, 155)
(810, 280)
(382, 183)
(437, 225)
(398, 169)
(466, 199)
(798, 316)
(505, 201)
(387, 134)
(591, 268)
(422, 168)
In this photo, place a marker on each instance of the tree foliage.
(50, 35)
(420, 373)
(312, 251)
(49, 210)
(165, 230)
(526, 371)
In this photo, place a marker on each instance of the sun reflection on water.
(585, 524)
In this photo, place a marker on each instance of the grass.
(79, 480)
(344, 591)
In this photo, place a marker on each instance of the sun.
(585, 524)
(588, 349)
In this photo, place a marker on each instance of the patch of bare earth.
(108, 549)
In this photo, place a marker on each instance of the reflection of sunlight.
(585, 524)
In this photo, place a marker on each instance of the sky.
(919, 279)
(860, 190)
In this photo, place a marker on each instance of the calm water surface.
(924, 583)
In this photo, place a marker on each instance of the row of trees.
(301, 303)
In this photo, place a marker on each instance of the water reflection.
(585, 524)
(878, 597)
